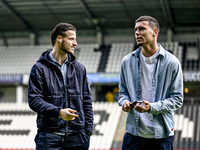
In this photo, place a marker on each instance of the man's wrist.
(149, 109)
(59, 114)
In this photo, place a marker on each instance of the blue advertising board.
(92, 78)
(103, 77)
(11, 79)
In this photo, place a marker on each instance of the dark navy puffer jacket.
(46, 95)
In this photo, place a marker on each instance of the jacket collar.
(161, 50)
(44, 56)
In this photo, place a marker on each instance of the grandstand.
(104, 35)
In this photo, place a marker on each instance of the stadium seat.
(89, 57)
(118, 51)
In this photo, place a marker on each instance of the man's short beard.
(62, 47)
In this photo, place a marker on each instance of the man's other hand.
(68, 114)
(145, 107)
(126, 106)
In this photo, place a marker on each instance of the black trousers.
(131, 142)
(52, 141)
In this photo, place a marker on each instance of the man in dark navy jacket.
(59, 92)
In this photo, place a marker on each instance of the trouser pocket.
(85, 138)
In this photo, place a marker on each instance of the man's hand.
(126, 106)
(68, 114)
(145, 107)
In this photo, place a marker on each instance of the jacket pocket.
(56, 100)
(49, 121)
(76, 103)
(52, 122)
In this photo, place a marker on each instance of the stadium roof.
(182, 16)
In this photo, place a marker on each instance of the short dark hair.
(152, 21)
(60, 29)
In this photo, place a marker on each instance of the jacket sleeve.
(174, 100)
(123, 92)
(36, 93)
(87, 105)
